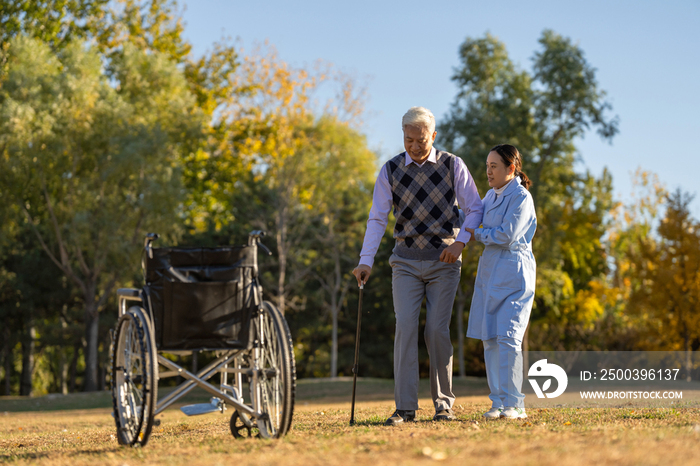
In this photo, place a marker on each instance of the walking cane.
(357, 350)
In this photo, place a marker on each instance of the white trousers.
(504, 370)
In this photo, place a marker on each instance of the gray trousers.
(412, 280)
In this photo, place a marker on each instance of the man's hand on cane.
(359, 271)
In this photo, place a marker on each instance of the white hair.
(419, 116)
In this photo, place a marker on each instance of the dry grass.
(321, 435)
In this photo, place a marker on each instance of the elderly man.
(424, 186)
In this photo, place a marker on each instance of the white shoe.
(493, 413)
(513, 413)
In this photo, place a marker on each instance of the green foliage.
(146, 24)
(54, 22)
(493, 103)
(93, 164)
(569, 102)
(104, 157)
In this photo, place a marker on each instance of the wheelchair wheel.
(242, 427)
(134, 377)
(277, 382)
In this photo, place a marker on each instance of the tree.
(266, 128)
(343, 170)
(541, 112)
(38, 297)
(256, 164)
(8, 314)
(268, 131)
(287, 168)
(630, 232)
(93, 166)
(667, 269)
(567, 104)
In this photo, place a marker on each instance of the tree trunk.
(281, 257)
(63, 374)
(336, 300)
(74, 367)
(92, 323)
(28, 339)
(8, 372)
(688, 359)
(334, 344)
(7, 361)
(101, 381)
(460, 301)
(63, 363)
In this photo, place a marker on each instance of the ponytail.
(524, 180)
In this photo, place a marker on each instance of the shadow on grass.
(368, 389)
(377, 421)
(56, 402)
(311, 391)
(26, 456)
(97, 452)
(372, 421)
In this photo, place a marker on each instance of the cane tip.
(352, 422)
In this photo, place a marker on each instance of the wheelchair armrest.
(129, 293)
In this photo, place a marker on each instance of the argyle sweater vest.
(425, 206)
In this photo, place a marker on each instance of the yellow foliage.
(588, 304)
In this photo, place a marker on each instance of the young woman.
(505, 280)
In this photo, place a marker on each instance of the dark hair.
(511, 156)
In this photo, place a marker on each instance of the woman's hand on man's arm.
(471, 231)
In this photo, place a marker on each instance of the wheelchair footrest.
(203, 408)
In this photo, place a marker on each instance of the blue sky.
(647, 56)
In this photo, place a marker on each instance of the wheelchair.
(202, 300)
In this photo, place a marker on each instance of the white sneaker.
(513, 413)
(493, 413)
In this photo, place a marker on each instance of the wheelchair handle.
(254, 239)
(255, 235)
(150, 237)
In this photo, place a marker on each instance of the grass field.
(50, 430)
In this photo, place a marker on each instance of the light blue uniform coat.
(505, 280)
